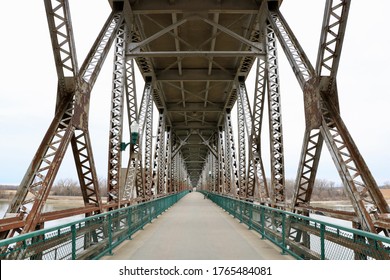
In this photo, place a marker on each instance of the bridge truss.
(195, 57)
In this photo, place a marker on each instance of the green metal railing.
(88, 238)
(304, 237)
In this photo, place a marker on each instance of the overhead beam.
(195, 75)
(181, 6)
(194, 125)
(211, 54)
(195, 107)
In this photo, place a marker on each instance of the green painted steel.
(88, 238)
(323, 240)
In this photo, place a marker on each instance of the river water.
(55, 206)
(49, 207)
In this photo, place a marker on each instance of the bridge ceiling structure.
(195, 57)
(195, 51)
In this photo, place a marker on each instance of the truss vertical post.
(221, 162)
(231, 147)
(227, 188)
(148, 151)
(116, 118)
(242, 155)
(275, 119)
(255, 166)
(168, 160)
(159, 157)
(129, 189)
(255, 143)
(136, 172)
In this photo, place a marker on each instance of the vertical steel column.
(241, 149)
(116, 117)
(304, 72)
(138, 169)
(129, 191)
(168, 161)
(221, 162)
(148, 151)
(231, 147)
(215, 160)
(175, 173)
(275, 119)
(255, 167)
(159, 157)
(162, 163)
(174, 147)
(228, 163)
(258, 110)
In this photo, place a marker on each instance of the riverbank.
(65, 201)
(77, 201)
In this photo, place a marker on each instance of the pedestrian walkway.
(196, 229)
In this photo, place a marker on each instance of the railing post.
(110, 234)
(150, 211)
(283, 233)
(322, 239)
(73, 230)
(240, 203)
(250, 222)
(129, 229)
(262, 217)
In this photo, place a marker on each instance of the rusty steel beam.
(69, 124)
(323, 120)
(242, 154)
(132, 114)
(85, 166)
(116, 117)
(62, 38)
(255, 141)
(278, 196)
(135, 169)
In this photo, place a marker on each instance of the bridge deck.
(196, 229)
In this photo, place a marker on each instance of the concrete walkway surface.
(196, 229)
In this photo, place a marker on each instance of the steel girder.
(159, 162)
(168, 160)
(129, 191)
(70, 123)
(227, 186)
(255, 181)
(323, 120)
(221, 162)
(144, 110)
(233, 186)
(147, 180)
(116, 118)
(275, 121)
(255, 140)
(242, 154)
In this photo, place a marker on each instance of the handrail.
(324, 240)
(87, 238)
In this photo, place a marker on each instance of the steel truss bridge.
(195, 57)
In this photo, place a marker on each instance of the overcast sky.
(28, 84)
